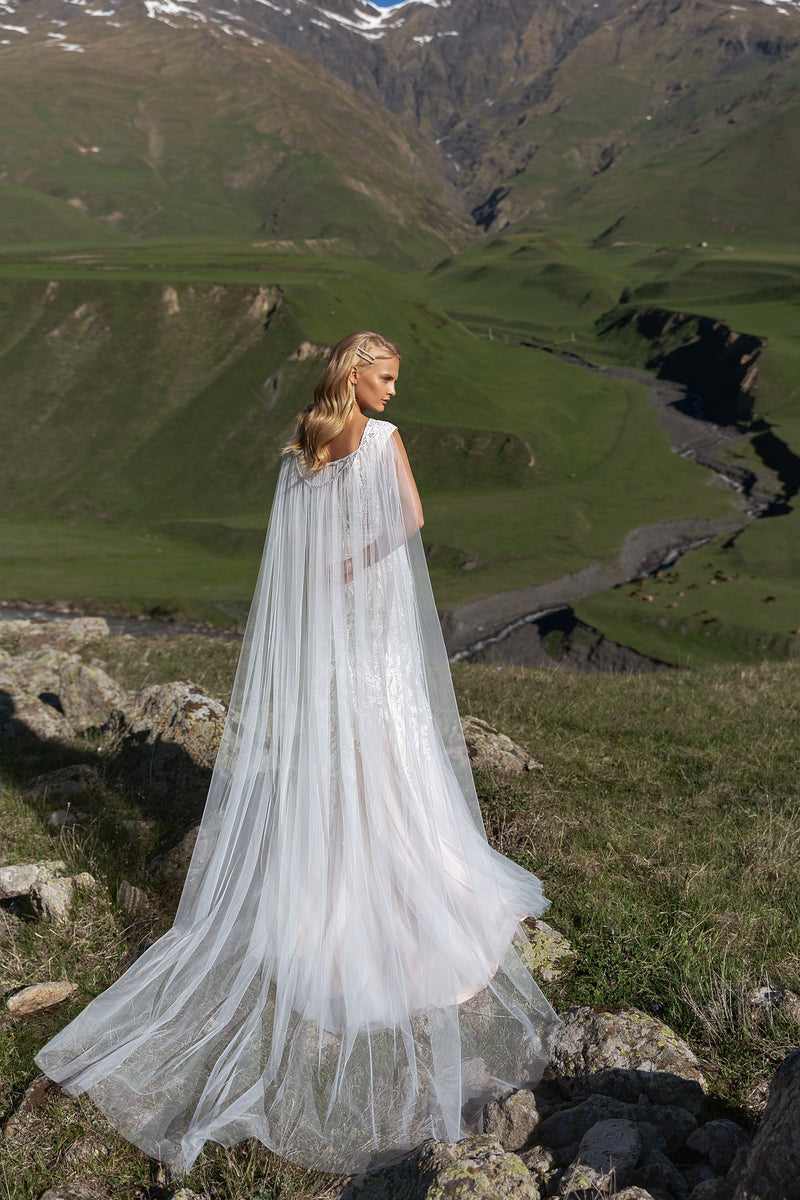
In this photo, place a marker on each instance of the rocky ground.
(623, 1110)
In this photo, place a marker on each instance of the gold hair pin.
(365, 354)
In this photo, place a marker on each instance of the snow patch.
(15, 28)
(423, 38)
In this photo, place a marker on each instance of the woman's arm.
(413, 494)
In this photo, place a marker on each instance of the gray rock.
(492, 750)
(168, 740)
(67, 634)
(512, 1119)
(170, 868)
(623, 1053)
(772, 1168)
(633, 1193)
(475, 1167)
(713, 1189)
(78, 1189)
(607, 1154)
(66, 783)
(185, 1194)
(546, 952)
(132, 899)
(658, 1174)
(18, 880)
(570, 1124)
(65, 818)
(674, 1125)
(53, 901)
(36, 996)
(719, 1141)
(540, 1162)
(766, 1000)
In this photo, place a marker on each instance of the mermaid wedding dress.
(341, 980)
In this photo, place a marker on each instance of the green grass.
(664, 823)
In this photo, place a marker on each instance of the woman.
(341, 980)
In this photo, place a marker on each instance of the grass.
(665, 824)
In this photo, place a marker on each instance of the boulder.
(570, 1124)
(512, 1119)
(660, 1176)
(65, 783)
(170, 868)
(52, 901)
(36, 996)
(606, 1155)
(546, 952)
(489, 749)
(772, 1168)
(718, 1141)
(132, 899)
(622, 1052)
(86, 1188)
(169, 737)
(53, 693)
(18, 880)
(475, 1167)
(61, 634)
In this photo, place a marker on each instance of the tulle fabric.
(341, 980)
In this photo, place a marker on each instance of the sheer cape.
(341, 980)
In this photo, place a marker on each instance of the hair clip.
(365, 354)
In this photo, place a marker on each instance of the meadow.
(664, 823)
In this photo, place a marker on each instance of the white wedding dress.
(341, 980)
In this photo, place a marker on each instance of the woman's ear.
(354, 374)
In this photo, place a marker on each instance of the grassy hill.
(142, 421)
(664, 826)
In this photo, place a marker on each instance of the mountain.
(410, 128)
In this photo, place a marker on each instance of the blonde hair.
(334, 397)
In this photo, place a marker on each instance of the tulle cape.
(342, 978)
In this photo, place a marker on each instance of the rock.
(53, 901)
(37, 996)
(170, 868)
(673, 1125)
(540, 1162)
(713, 1189)
(54, 694)
(772, 1168)
(84, 1151)
(570, 1124)
(18, 880)
(26, 716)
(185, 1194)
(659, 1175)
(512, 1119)
(490, 749)
(718, 1141)
(770, 1000)
(65, 783)
(132, 899)
(65, 818)
(36, 1096)
(545, 952)
(633, 1193)
(607, 1153)
(62, 634)
(78, 1189)
(169, 737)
(622, 1053)
(475, 1167)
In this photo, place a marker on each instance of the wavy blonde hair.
(334, 397)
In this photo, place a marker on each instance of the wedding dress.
(342, 978)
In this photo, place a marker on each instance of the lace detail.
(375, 432)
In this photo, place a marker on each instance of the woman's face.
(374, 383)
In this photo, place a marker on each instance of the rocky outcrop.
(17, 880)
(34, 633)
(54, 694)
(477, 1166)
(772, 1168)
(545, 952)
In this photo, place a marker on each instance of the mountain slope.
(404, 127)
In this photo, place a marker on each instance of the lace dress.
(341, 980)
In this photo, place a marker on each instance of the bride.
(342, 978)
